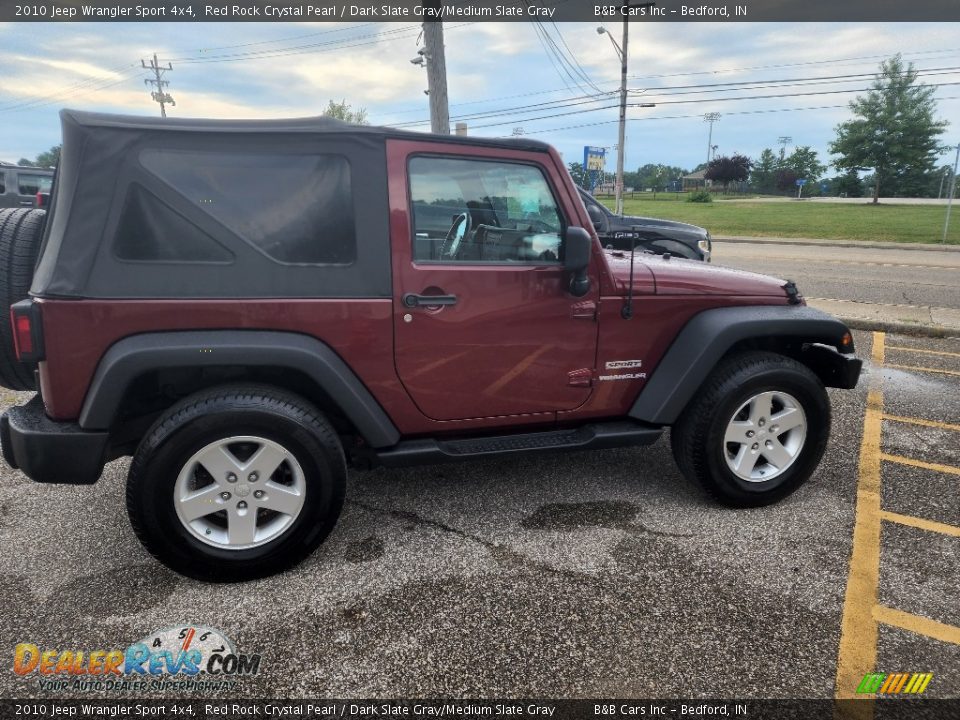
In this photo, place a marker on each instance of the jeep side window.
(480, 211)
(3, 182)
(296, 209)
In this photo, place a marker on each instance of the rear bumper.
(48, 451)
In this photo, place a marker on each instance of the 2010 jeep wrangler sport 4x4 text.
(247, 306)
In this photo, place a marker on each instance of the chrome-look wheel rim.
(765, 436)
(239, 492)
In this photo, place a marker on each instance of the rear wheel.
(236, 483)
(20, 233)
(756, 430)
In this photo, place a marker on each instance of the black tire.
(20, 232)
(196, 422)
(698, 437)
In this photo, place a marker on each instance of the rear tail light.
(27, 336)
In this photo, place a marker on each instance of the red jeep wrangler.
(246, 306)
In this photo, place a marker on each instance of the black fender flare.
(132, 356)
(709, 335)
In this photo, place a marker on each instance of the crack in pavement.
(506, 554)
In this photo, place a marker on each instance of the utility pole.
(436, 68)
(622, 132)
(159, 95)
(710, 118)
(953, 188)
(783, 140)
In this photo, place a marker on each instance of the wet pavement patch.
(610, 514)
(365, 550)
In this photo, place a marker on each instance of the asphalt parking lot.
(575, 575)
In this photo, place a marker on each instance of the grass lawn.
(895, 223)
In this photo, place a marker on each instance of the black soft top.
(311, 125)
(106, 188)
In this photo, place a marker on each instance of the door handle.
(412, 300)
(26, 203)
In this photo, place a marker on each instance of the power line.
(684, 102)
(278, 40)
(786, 82)
(583, 100)
(951, 51)
(315, 48)
(92, 85)
(548, 105)
(588, 99)
(686, 117)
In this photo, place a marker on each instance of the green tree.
(46, 159)
(847, 185)
(893, 132)
(938, 182)
(658, 176)
(343, 111)
(787, 180)
(50, 158)
(729, 169)
(580, 178)
(805, 164)
(763, 175)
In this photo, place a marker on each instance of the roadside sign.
(800, 182)
(594, 163)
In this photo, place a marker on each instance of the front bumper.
(48, 451)
(835, 369)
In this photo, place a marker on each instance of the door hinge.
(580, 378)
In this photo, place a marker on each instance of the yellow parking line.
(917, 624)
(858, 632)
(937, 467)
(913, 521)
(925, 352)
(921, 421)
(924, 369)
(878, 353)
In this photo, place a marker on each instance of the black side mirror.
(576, 259)
(596, 216)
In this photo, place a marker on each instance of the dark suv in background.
(19, 185)
(620, 232)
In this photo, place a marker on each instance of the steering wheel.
(537, 225)
(455, 235)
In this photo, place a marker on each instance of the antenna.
(626, 312)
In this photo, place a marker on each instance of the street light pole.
(621, 135)
(953, 188)
(710, 118)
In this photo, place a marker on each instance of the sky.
(555, 82)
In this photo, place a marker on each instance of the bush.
(700, 196)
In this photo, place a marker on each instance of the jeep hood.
(653, 274)
(648, 223)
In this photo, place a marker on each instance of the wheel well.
(796, 348)
(152, 392)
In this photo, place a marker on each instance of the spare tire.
(20, 231)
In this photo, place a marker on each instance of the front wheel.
(756, 430)
(236, 483)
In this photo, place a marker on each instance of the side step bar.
(596, 436)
